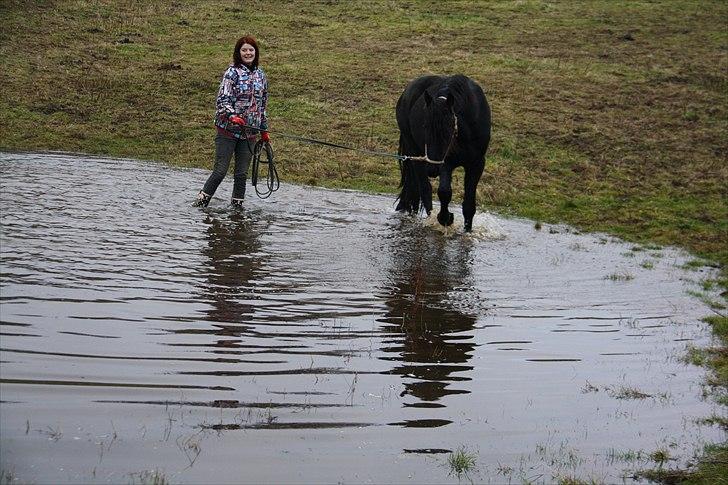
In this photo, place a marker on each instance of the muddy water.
(317, 336)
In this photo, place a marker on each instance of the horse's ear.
(428, 99)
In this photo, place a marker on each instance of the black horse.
(444, 123)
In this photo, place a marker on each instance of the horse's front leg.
(444, 193)
(472, 176)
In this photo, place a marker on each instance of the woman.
(241, 101)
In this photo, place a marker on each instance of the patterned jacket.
(244, 93)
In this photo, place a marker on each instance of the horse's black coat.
(427, 112)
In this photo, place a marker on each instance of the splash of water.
(485, 227)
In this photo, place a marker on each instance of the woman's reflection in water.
(232, 269)
(427, 271)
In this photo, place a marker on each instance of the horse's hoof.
(446, 219)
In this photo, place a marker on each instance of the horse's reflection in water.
(430, 339)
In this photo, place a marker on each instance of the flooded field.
(319, 337)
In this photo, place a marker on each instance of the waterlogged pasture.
(317, 336)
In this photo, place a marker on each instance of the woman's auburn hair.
(246, 39)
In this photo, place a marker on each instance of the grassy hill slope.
(608, 115)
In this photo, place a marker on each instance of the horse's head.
(440, 126)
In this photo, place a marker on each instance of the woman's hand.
(237, 120)
(265, 136)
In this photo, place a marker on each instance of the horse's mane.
(458, 86)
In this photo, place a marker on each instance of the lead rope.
(273, 182)
(303, 139)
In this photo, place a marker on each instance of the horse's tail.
(409, 195)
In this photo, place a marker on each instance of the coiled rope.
(272, 181)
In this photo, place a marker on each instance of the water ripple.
(324, 316)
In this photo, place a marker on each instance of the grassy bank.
(608, 115)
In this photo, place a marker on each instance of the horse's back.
(460, 84)
(417, 86)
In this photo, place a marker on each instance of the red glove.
(235, 119)
(265, 136)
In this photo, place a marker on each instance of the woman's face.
(247, 53)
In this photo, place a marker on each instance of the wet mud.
(318, 336)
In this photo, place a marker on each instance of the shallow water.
(318, 336)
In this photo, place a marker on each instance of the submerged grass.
(627, 456)
(568, 480)
(608, 115)
(149, 477)
(619, 276)
(627, 392)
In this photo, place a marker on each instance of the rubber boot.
(202, 200)
(236, 203)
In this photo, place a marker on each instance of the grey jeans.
(224, 149)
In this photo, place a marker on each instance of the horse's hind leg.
(444, 193)
(472, 177)
(409, 196)
(413, 195)
(425, 188)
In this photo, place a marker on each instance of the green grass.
(610, 115)
(660, 456)
(716, 358)
(710, 470)
(696, 355)
(461, 462)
